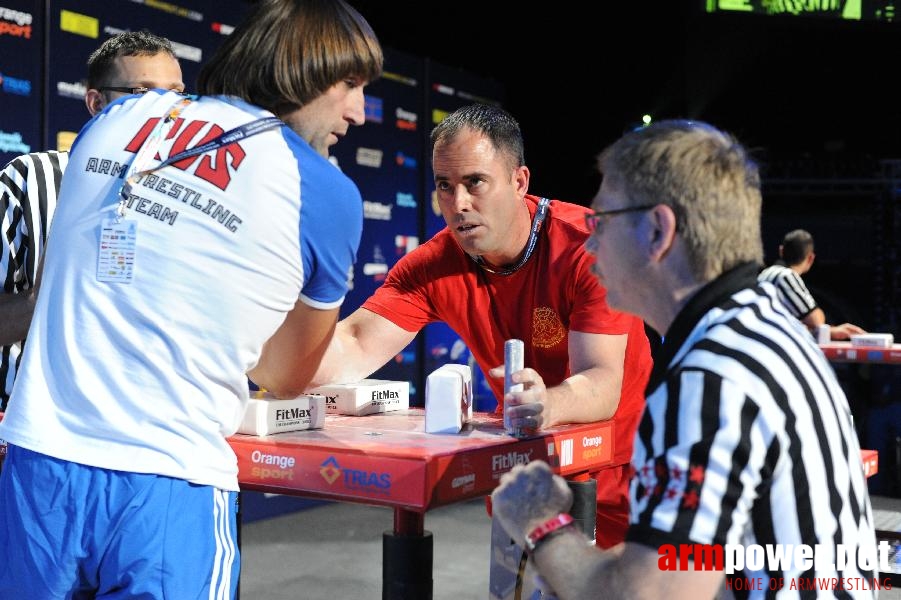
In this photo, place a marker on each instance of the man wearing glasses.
(128, 63)
(747, 442)
(510, 265)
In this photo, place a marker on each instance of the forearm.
(16, 311)
(290, 356)
(344, 361)
(530, 494)
(573, 567)
(814, 318)
(588, 396)
(363, 342)
(626, 572)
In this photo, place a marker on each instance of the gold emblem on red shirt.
(547, 329)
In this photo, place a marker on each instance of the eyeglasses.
(133, 90)
(595, 218)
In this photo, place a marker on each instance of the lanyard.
(138, 169)
(540, 214)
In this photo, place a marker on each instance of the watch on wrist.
(545, 529)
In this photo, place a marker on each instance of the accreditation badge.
(116, 259)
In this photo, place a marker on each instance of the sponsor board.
(11, 141)
(404, 244)
(397, 77)
(376, 211)
(369, 157)
(15, 23)
(65, 139)
(374, 109)
(405, 119)
(75, 89)
(15, 85)
(79, 24)
(172, 9)
(405, 160)
(181, 50)
(222, 28)
(405, 200)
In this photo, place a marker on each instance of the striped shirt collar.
(711, 295)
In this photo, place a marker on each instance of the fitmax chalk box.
(266, 414)
(366, 397)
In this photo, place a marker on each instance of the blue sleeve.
(331, 223)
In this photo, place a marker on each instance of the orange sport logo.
(15, 23)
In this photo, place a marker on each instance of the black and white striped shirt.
(29, 185)
(747, 437)
(791, 289)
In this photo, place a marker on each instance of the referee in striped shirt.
(747, 439)
(130, 62)
(796, 257)
(29, 185)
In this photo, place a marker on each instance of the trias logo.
(355, 479)
(405, 161)
(215, 168)
(14, 85)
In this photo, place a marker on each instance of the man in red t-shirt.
(510, 265)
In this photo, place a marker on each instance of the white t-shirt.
(149, 376)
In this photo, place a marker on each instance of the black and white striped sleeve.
(792, 291)
(29, 185)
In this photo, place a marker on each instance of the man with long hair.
(194, 244)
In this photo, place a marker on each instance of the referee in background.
(796, 257)
(747, 437)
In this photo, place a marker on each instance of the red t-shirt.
(553, 293)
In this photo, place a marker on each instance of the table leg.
(585, 503)
(407, 558)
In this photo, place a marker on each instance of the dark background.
(578, 74)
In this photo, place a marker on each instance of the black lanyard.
(229, 137)
(540, 214)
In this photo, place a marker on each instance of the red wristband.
(545, 529)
